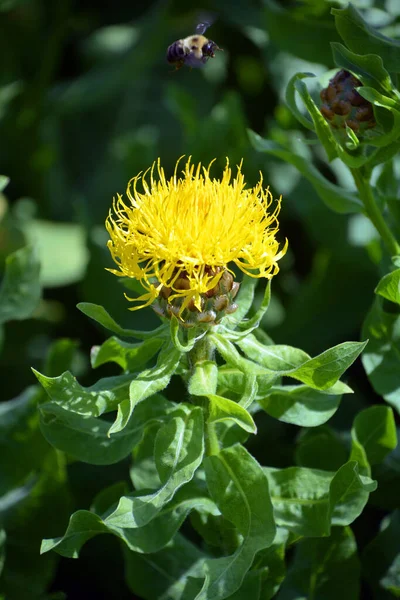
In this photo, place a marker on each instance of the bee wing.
(202, 27)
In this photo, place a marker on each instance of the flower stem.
(373, 212)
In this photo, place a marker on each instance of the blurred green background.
(87, 100)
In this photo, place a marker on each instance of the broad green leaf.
(152, 537)
(246, 326)
(366, 67)
(336, 198)
(203, 379)
(130, 357)
(178, 452)
(239, 487)
(359, 36)
(20, 290)
(146, 384)
(389, 286)
(375, 429)
(100, 315)
(324, 569)
(230, 378)
(166, 574)
(222, 409)
(87, 439)
(101, 397)
(276, 358)
(381, 359)
(290, 97)
(271, 562)
(308, 502)
(324, 370)
(381, 559)
(184, 340)
(300, 405)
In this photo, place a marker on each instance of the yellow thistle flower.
(178, 236)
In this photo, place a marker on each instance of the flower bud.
(342, 105)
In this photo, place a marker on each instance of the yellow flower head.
(178, 236)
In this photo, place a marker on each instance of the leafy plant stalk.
(367, 197)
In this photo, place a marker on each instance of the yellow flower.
(179, 236)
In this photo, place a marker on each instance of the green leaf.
(381, 358)
(244, 301)
(324, 569)
(4, 181)
(336, 198)
(239, 487)
(366, 67)
(301, 35)
(375, 429)
(146, 384)
(232, 357)
(389, 286)
(152, 537)
(100, 315)
(308, 502)
(381, 559)
(20, 290)
(300, 405)
(3, 537)
(246, 326)
(130, 357)
(290, 98)
(324, 370)
(178, 452)
(203, 379)
(358, 36)
(101, 397)
(87, 439)
(321, 448)
(166, 574)
(60, 356)
(222, 409)
(276, 358)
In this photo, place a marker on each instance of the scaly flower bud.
(343, 105)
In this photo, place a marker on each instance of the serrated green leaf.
(146, 384)
(300, 405)
(324, 569)
(239, 487)
(100, 315)
(381, 357)
(222, 409)
(101, 397)
(87, 439)
(130, 357)
(20, 290)
(336, 198)
(178, 452)
(389, 286)
(358, 36)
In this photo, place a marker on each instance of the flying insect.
(194, 50)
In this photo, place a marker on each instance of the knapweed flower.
(180, 238)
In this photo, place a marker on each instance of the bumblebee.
(194, 50)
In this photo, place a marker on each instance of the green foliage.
(250, 459)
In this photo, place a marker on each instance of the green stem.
(373, 212)
(204, 350)
(212, 443)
